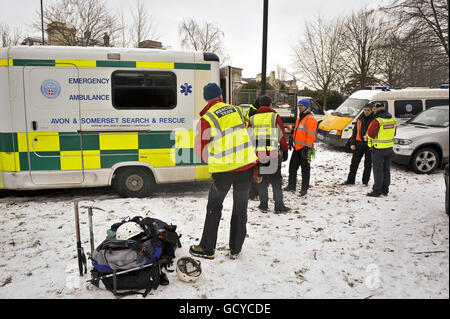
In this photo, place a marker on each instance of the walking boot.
(374, 194)
(198, 251)
(280, 208)
(264, 207)
(289, 188)
(303, 192)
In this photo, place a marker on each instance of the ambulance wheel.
(134, 182)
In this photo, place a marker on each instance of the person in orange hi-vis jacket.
(304, 135)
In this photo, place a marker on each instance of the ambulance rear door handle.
(34, 125)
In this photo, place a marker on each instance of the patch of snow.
(334, 243)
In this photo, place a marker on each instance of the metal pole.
(264, 48)
(42, 22)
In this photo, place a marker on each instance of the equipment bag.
(135, 263)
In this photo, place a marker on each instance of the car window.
(435, 102)
(407, 108)
(350, 107)
(315, 107)
(431, 117)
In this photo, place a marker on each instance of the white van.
(336, 129)
(84, 117)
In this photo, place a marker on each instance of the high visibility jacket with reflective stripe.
(230, 146)
(247, 113)
(305, 132)
(386, 133)
(358, 133)
(265, 131)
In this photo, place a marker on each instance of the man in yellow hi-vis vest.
(381, 134)
(270, 139)
(223, 142)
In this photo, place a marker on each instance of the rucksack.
(136, 263)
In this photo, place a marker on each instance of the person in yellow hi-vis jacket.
(223, 142)
(381, 134)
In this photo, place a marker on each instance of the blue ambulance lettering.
(172, 120)
(60, 121)
(87, 97)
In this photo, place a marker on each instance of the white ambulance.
(84, 117)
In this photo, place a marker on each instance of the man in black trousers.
(358, 144)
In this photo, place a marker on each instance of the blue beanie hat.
(211, 91)
(305, 102)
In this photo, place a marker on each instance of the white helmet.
(128, 230)
(188, 269)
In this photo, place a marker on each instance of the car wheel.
(134, 182)
(425, 161)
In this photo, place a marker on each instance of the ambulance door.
(52, 113)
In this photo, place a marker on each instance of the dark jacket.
(365, 122)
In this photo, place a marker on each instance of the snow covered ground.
(335, 243)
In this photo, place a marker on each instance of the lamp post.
(42, 22)
(264, 48)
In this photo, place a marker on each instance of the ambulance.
(337, 127)
(88, 117)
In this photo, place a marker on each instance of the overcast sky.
(240, 20)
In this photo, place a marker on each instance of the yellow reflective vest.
(386, 133)
(230, 146)
(265, 131)
(247, 113)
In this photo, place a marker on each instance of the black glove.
(285, 156)
(291, 144)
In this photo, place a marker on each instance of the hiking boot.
(264, 207)
(374, 194)
(384, 193)
(163, 280)
(233, 256)
(198, 251)
(289, 189)
(303, 192)
(280, 208)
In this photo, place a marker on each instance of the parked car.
(446, 188)
(422, 142)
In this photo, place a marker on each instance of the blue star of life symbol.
(186, 89)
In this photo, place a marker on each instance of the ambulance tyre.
(133, 182)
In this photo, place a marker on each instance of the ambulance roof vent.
(113, 56)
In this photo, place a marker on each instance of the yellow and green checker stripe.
(106, 63)
(62, 150)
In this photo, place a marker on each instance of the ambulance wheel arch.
(133, 181)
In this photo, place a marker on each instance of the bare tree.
(363, 34)
(428, 17)
(421, 41)
(392, 61)
(207, 37)
(9, 36)
(79, 22)
(143, 27)
(316, 55)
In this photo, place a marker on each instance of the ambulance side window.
(407, 108)
(435, 102)
(143, 90)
